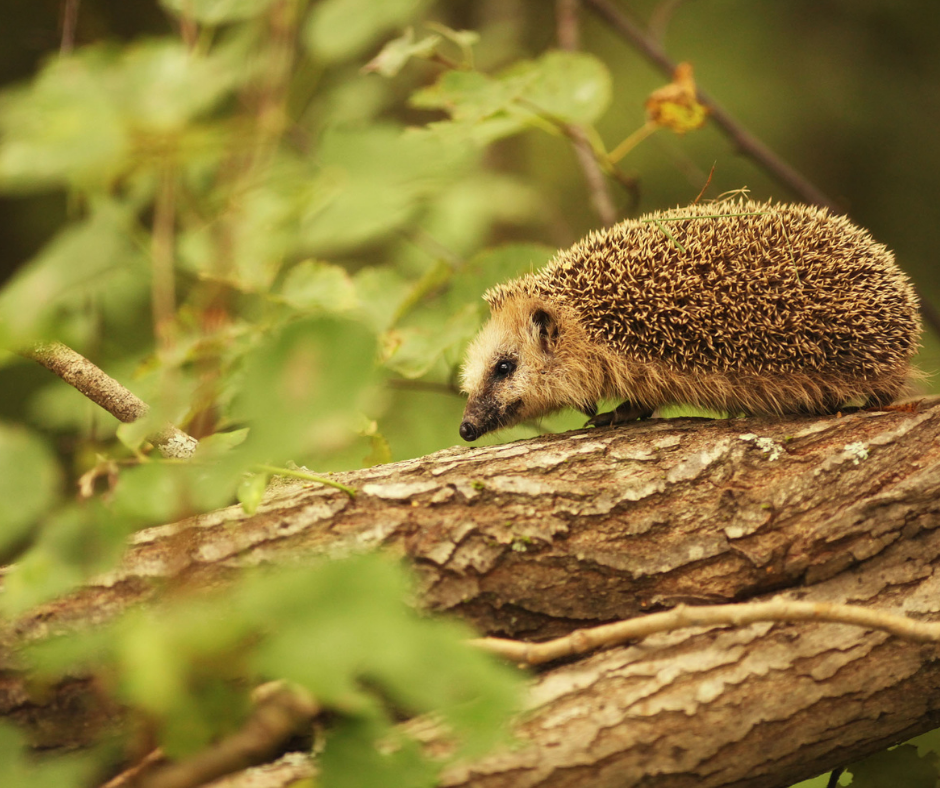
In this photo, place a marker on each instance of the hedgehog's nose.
(468, 431)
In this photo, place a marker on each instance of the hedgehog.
(740, 306)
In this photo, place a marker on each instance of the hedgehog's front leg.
(626, 411)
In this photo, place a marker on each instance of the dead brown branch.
(583, 641)
(103, 390)
(274, 719)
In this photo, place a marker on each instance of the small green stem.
(631, 142)
(309, 477)
(669, 235)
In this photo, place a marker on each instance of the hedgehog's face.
(510, 369)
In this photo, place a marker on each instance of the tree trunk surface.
(537, 538)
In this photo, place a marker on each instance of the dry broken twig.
(583, 641)
(280, 712)
(103, 390)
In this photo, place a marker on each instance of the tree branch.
(273, 720)
(103, 390)
(568, 30)
(538, 538)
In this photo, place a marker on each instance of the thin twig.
(631, 142)
(308, 477)
(569, 36)
(583, 641)
(69, 23)
(669, 235)
(273, 720)
(130, 775)
(597, 185)
(103, 390)
(162, 253)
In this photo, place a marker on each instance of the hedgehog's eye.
(503, 369)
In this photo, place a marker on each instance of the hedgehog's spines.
(742, 307)
(659, 281)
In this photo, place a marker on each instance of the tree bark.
(536, 538)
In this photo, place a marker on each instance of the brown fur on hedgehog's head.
(528, 361)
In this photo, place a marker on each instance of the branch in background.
(743, 140)
(276, 717)
(583, 641)
(569, 39)
(69, 23)
(103, 390)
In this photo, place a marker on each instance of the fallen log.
(537, 538)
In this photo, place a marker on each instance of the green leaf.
(468, 211)
(304, 389)
(161, 85)
(59, 406)
(248, 246)
(315, 286)
(341, 29)
(219, 443)
(465, 39)
(87, 258)
(351, 758)
(375, 179)
(470, 96)
(159, 492)
(380, 292)
(28, 484)
(338, 628)
(251, 491)
(898, 766)
(568, 87)
(380, 452)
(63, 128)
(154, 493)
(493, 267)
(412, 351)
(182, 665)
(88, 118)
(216, 12)
(573, 87)
(74, 543)
(397, 52)
(419, 664)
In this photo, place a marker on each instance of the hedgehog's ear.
(547, 327)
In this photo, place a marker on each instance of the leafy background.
(282, 215)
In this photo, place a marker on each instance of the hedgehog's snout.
(469, 431)
(485, 414)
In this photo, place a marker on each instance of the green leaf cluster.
(338, 629)
(558, 87)
(255, 246)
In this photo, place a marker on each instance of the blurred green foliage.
(273, 220)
